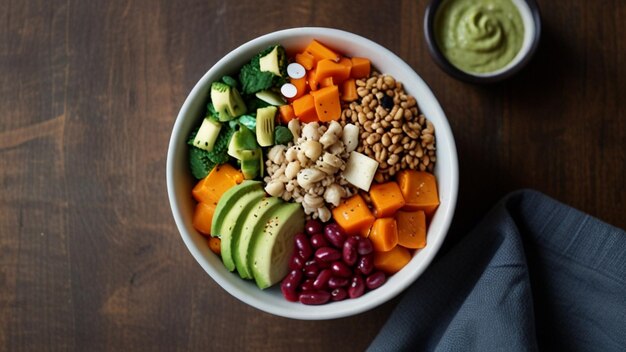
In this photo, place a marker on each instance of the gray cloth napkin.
(534, 275)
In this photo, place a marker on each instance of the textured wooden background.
(90, 258)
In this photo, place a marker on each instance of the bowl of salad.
(312, 173)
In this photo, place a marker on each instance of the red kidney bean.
(327, 254)
(312, 227)
(290, 284)
(318, 241)
(311, 269)
(296, 262)
(365, 264)
(303, 246)
(349, 251)
(314, 297)
(338, 294)
(365, 246)
(321, 282)
(335, 235)
(307, 285)
(357, 287)
(375, 280)
(340, 269)
(335, 282)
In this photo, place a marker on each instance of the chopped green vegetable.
(227, 101)
(265, 126)
(248, 121)
(199, 163)
(202, 161)
(230, 81)
(282, 135)
(253, 103)
(254, 80)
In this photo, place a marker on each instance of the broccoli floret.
(282, 135)
(199, 163)
(202, 162)
(254, 80)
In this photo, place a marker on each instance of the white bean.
(332, 160)
(312, 149)
(334, 128)
(333, 194)
(294, 128)
(310, 131)
(277, 154)
(350, 137)
(324, 214)
(291, 154)
(307, 177)
(292, 169)
(328, 139)
(275, 188)
(337, 149)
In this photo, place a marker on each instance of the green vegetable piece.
(270, 62)
(253, 103)
(271, 246)
(270, 97)
(199, 163)
(282, 135)
(243, 139)
(253, 79)
(248, 121)
(250, 166)
(265, 125)
(227, 101)
(207, 134)
(231, 228)
(230, 81)
(252, 222)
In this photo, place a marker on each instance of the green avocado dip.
(479, 36)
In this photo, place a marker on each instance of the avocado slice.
(272, 244)
(243, 139)
(253, 222)
(230, 228)
(226, 203)
(251, 163)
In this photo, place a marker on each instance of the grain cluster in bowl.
(392, 129)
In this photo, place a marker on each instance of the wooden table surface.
(90, 258)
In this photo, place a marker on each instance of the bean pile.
(327, 266)
(308, 170)
(392, 129)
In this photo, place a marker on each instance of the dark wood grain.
(90, 258)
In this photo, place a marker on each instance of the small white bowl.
(180, 181)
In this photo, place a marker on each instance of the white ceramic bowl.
(180, 181)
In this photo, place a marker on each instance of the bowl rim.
(313, 312)
(444, 63)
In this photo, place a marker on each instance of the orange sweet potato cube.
(387, 199)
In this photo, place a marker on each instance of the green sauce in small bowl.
(479, 36)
